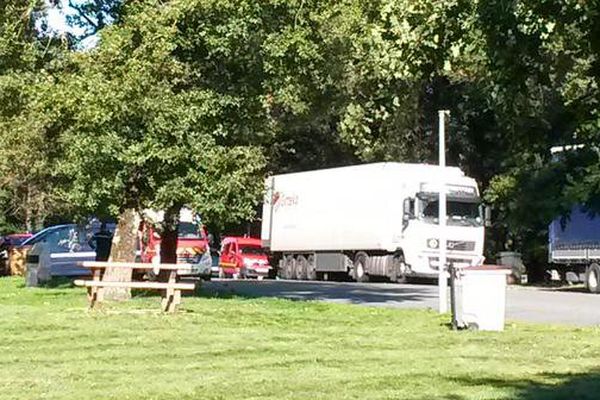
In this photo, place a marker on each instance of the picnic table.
(171, 289)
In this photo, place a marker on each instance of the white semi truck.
(370, 220)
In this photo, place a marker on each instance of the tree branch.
(83, 14)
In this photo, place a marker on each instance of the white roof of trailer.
(411, 169)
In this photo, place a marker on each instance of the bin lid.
(489, 268)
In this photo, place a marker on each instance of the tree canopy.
(194, 101)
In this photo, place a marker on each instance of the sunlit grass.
(52, 347)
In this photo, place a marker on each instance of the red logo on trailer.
(284, 200)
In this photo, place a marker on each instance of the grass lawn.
(52, 347)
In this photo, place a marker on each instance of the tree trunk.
(168, 239)
(123, 250)
(28, 211)
(39, 220)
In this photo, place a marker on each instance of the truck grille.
(435, 261)
(460, 245)
(189, 259)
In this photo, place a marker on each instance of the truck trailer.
(574, 247)
(371, 220)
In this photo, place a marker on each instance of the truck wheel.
(400, 269)
(592, 278)
(359, 270)
(311, 269)
(301, 267)
(282, 269)
(290, 268)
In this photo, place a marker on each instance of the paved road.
(523, 304)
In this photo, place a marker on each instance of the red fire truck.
(192, 242)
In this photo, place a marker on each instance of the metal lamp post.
(442, 277)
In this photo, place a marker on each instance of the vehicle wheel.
(243, 274)
(291, 267)
(311, 269)
(400, 269)
(281, 269)
(273, 273)
(287, 272)
(359, 270)
(301, 267)
(592, 278)
(473, 326)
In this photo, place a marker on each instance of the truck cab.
(464, 229)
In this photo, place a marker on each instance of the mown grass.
(52, 347)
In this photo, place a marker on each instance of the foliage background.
(194, 101)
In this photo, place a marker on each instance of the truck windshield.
(459, 212)
(190, 230)
(254, 250)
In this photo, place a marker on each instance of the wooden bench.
(171, 295)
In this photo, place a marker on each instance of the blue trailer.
(574, 247)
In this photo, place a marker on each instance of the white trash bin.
(38, 265)
(479, 297)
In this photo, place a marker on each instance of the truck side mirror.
(487, 216)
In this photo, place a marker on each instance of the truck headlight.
(433, 243)
(205, 260)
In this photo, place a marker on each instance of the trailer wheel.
(280, 273)
(290, 268)
(592, 278)
(311, 269)
(301, 267)
(286, 267)
(359, 270)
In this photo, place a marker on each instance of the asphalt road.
(522, 303)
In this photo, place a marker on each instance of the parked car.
(243, 257)
(14, 239)
(60, 248)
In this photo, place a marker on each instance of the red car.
(243, 257)
(14, 240)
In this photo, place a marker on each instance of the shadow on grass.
(223, 291)
(56, 282)
(548, 386)
(59, 282)
(342, 292)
